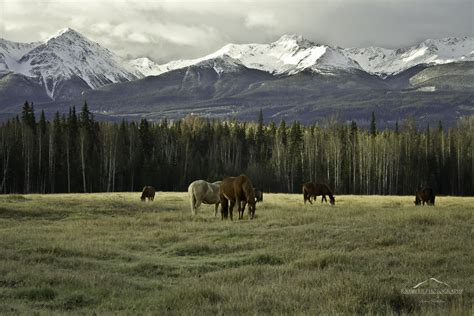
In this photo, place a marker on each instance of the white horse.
(201, 191)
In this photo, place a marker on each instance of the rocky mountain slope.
(291, 78)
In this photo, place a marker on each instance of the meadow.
(110, 253)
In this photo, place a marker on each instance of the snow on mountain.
(146, 66)
(221, 64)
(384, 62)
(11, 52)
(288, 55)
(68, 54)
(292, 54)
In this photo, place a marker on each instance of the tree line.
(76, 153)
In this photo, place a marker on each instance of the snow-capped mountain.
(292, 54)
(287, 56)
(146, 66)
(291, 78)
(11, 52)
(385, 62)
(69, 55)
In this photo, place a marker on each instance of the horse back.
(309, 188)
(226, 189)
(244, 188)
(323, 189)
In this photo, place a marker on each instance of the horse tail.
(143, 194)
(192, 199)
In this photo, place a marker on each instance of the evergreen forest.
(76, 153)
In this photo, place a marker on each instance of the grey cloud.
(166, 30)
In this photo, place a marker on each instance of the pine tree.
(260, 139)
(72, 140)
(28, 116)
(373, 127)
(146, 138)
(87, 142)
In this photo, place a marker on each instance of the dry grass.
(85, 253)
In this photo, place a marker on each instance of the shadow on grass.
(75, 301)
(35, 294)
(191, 297)
(424, 220)
(6, 213)
(323, 261)
(374, 299)
(16, 198)
(199, 249)
(150, 270)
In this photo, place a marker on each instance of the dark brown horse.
(425, 195)
(237, 190)
(311, 190)
(258, 195)
(148, 192)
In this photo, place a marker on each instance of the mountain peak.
(66, 32)
(293, 39)
(68, 55)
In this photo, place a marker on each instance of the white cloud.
(173, 29)
(260, 19)
(102, 27)
(138, 38)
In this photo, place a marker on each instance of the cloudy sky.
(171, 29)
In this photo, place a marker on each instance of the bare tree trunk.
(68, 167)
(83, 164)
(5, 170)
(51, 163)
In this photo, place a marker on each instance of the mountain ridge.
(291, 78)
(292, 53)
(68, 54)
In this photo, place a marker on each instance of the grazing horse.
(258, 195)
(201, 191)
(237, 190)
(425, 195)
(311, 190)
(148, 192)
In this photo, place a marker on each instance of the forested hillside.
(76, 153)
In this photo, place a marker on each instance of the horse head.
(251, 204)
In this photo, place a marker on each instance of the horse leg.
(198, 204)
(224, 209)
(324, 198)
(231, 209)
(216, 206)
(244, 203)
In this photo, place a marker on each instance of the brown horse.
(148, 192)
(425, 195)
(237, 190)
(311, 190)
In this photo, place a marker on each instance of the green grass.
(111, 253)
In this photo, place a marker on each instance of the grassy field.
(111, 253)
